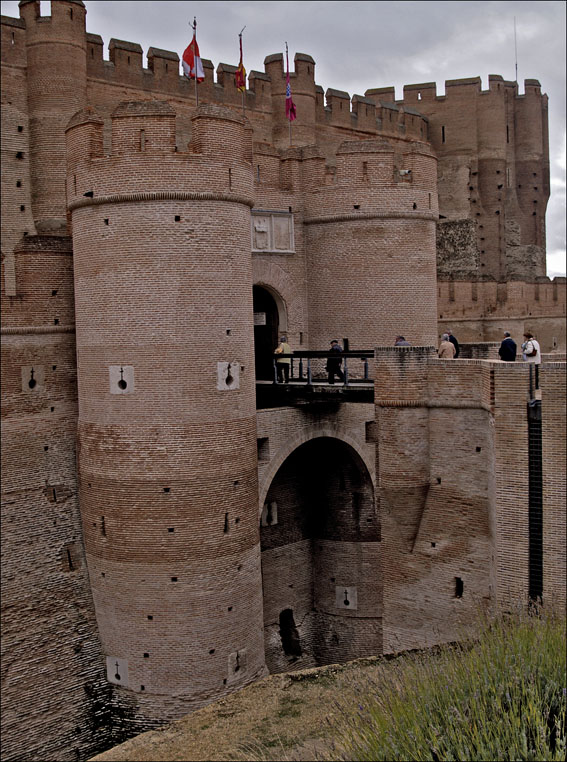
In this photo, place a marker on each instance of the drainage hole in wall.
(438, 480)
(54, 292)
(230, 608)
(56, 321)
(146, 656)
(212, 650)
(239, 567)
(236, 482)
(52, 409)
(150, 617)
(170, 529)
(433, 544)
(46, 448)
(237, 521)
(142, 687)
(167, 489)
(224, 682)
(478, 449)
(103, 574)
(174, 579)
(177, 218)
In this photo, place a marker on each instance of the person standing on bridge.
(333, 366)
(283, 363)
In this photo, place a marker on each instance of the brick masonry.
(165, 542)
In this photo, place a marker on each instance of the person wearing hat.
(333, 366)
(283, 363)
(508, 348)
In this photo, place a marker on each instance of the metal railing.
(309, 366)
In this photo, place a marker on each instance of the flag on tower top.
(191, 61)
(290, 110)
(240, 73)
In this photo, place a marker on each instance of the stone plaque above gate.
(272, 232)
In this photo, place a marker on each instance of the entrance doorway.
(266, 326)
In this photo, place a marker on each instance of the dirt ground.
(293, 716)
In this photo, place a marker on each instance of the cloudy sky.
(359, 45)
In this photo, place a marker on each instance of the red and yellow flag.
(240, 73)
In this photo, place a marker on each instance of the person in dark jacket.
(401, 342)
(333, 366)
(507, 351)
(454, 342)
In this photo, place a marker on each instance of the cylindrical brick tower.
(371, 246)
(167, 419)
(57, 86)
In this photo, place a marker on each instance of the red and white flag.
(191, 61)
(290, 111)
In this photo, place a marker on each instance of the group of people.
(449, 349)
(333, 366)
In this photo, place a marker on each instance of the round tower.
(371, 245)
(167, 418)
(57, 85)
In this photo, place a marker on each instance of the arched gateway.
(320, 541)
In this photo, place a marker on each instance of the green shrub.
(501, 697)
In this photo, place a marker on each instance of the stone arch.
(320, 554)
(312, 432)
(277, 281)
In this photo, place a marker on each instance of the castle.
(175, 525)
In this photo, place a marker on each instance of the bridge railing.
(309, 366)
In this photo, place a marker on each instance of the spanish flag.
(240, 73)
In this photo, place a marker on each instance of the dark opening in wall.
(459, 587)
(177, 218)
(226, 523)
(18, 183)
(174, 579)
(19, 154)
(291, 642)
(442, 134)
(54, 292)
(478, 449)
(263, 444)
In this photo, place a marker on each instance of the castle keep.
(176, 526)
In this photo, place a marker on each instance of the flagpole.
(244, 91)
(195, 60)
